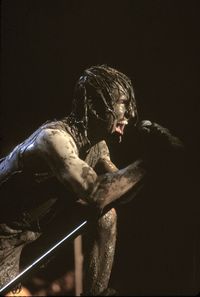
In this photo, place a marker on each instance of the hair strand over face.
(96, 88)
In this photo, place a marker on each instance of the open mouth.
(120, 126)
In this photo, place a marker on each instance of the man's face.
(120, 108)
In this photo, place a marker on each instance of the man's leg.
(99, 254)
(11, 245)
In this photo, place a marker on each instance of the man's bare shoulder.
(55, 138)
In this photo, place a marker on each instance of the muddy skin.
(100, 250)
(33, 154)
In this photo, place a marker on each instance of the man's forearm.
(110, 187)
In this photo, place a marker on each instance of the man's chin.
(115, 137)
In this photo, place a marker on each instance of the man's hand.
(159, 134)
(157, 142)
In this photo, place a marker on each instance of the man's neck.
(77, 132)
(83, 141)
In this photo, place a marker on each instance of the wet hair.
(94, 94)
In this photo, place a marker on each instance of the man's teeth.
(120, 128)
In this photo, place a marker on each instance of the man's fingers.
(145, 126)
(149, 127)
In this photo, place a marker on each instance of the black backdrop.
(45, 46)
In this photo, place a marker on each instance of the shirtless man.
(66, 156)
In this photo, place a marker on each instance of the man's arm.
(104, 163)
(60, 152)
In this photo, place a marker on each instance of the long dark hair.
(94, 94)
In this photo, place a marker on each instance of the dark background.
(45, 47)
